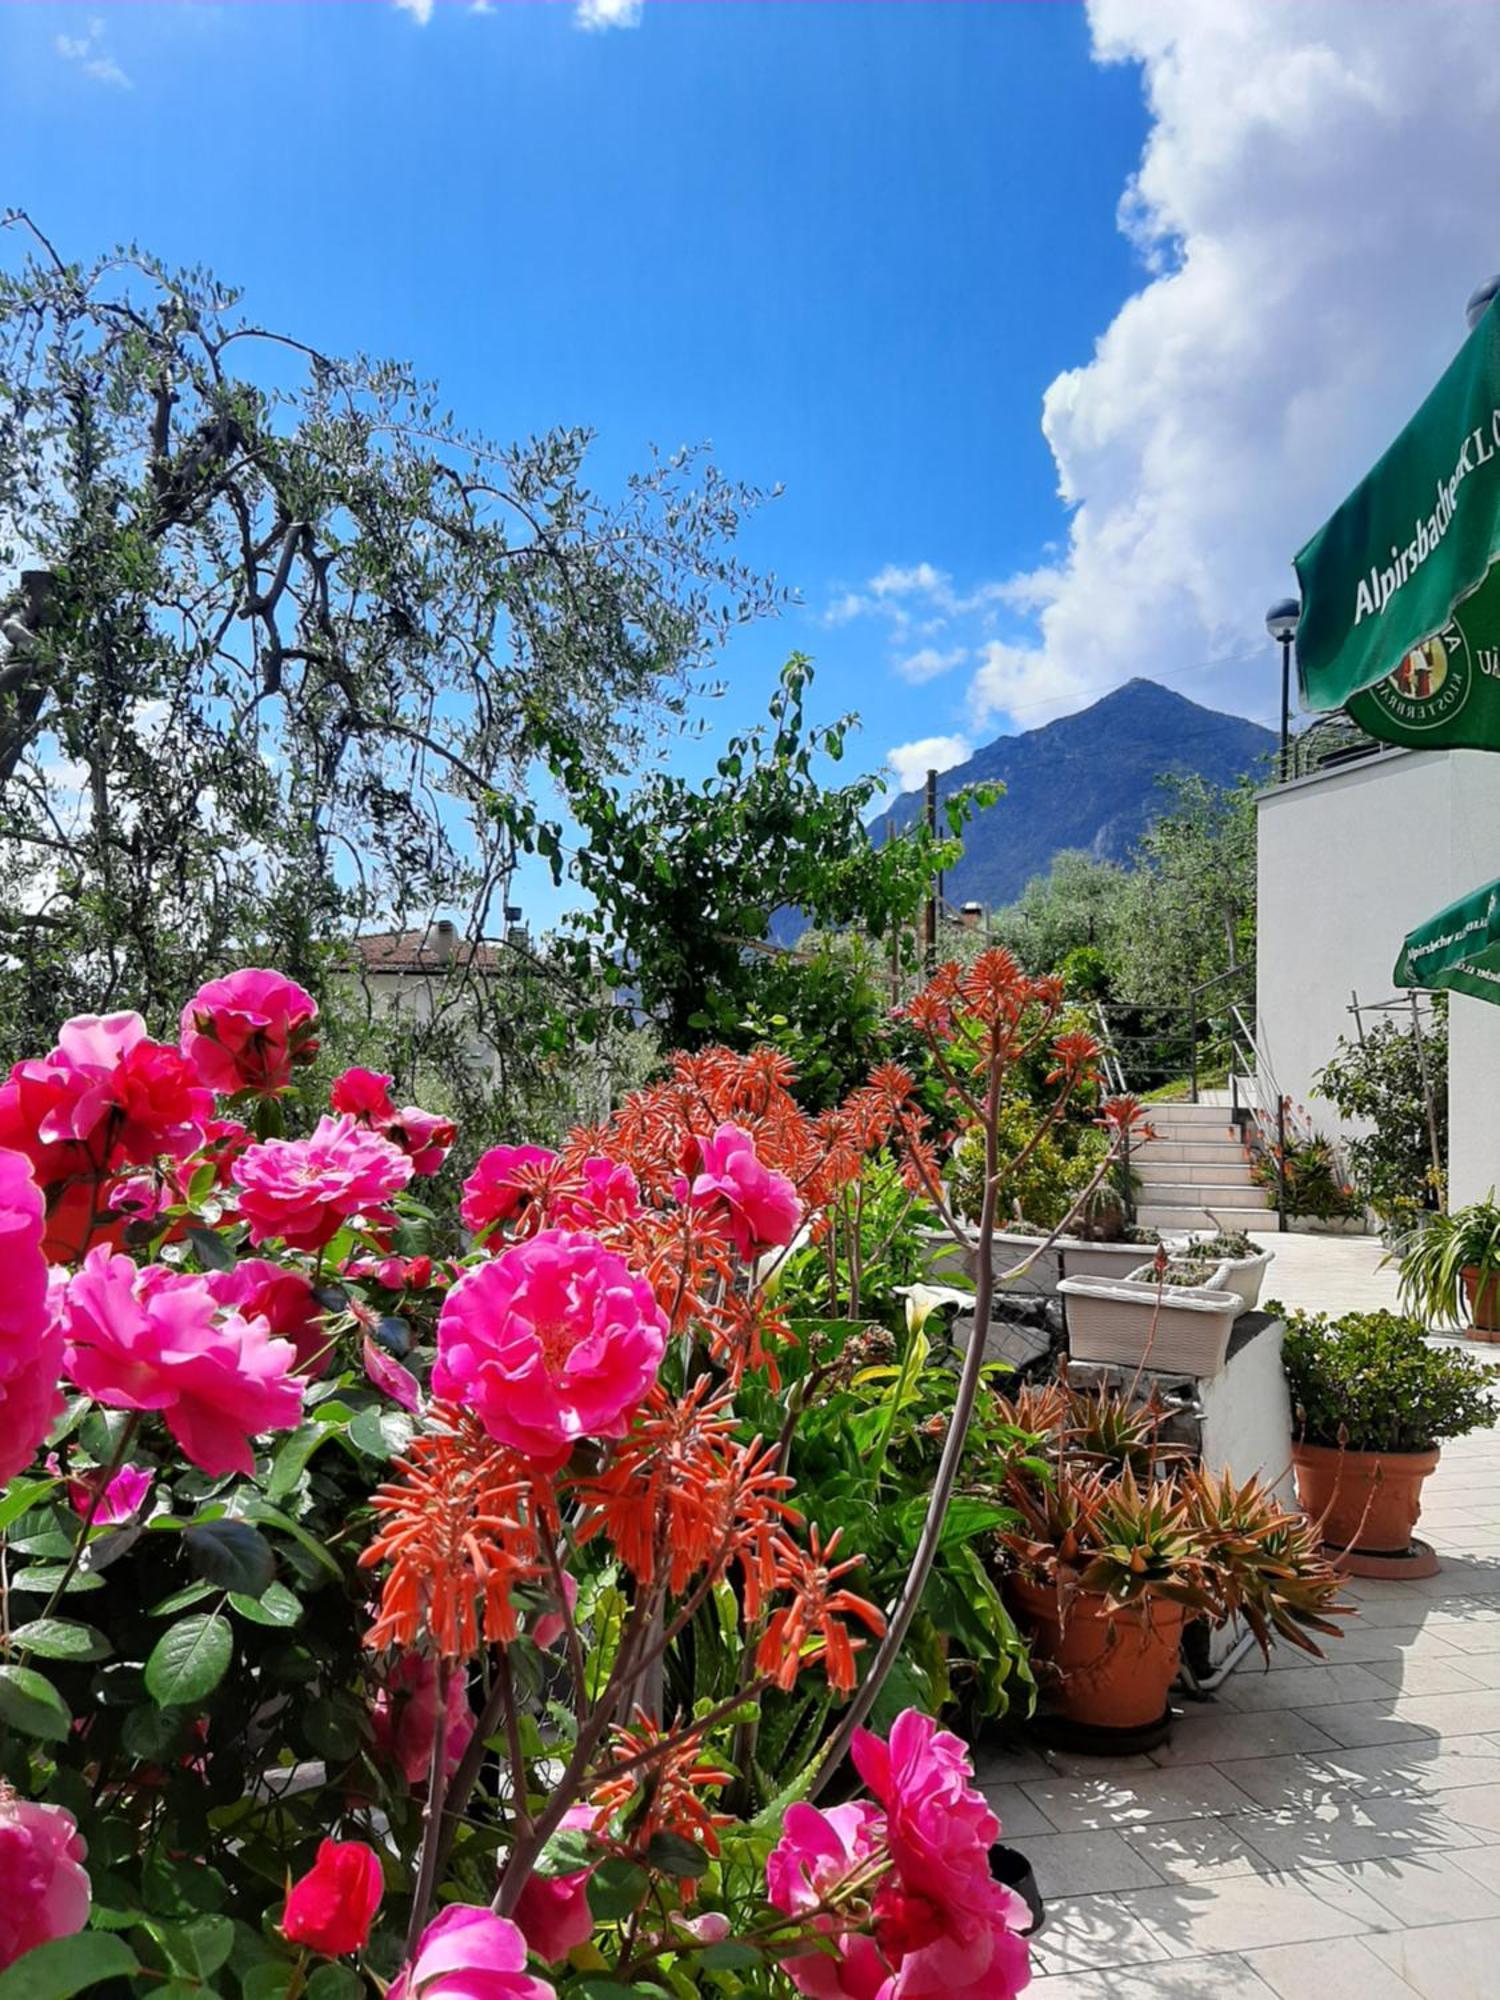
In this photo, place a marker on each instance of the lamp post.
(1479, 301)
(1281, 623)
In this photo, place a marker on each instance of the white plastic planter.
(1244, 1275)
(1171, 1329)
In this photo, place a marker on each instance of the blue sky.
(924, 263)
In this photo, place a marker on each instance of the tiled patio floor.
(1321, 1831)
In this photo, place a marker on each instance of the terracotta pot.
(1111, 1669)
(1367, 1500)
(1484, 1300)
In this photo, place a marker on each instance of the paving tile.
(1225, 1735)
(1092, 1933)
(1016, 1813)
(1093, 1863)
(1243, 1912)
(1007, 1763)
(1476, 1807)
(1304, 1687)
(1354, 1829)
(1073, 1804)
(1444, 1961)
(1295, 1784)
(1440, 1676)
(1471, 1712)
(1360, 1643)
(1414, 1890)
(1332, 1969)
(1197, 1850)
(1225, 1977)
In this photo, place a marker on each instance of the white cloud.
(1319, 192)
(88, 51)
(912, 761)
(597, 15)
(927, 663)
(420, 10)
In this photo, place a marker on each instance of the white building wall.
(1349, 861)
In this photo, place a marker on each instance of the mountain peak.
(1089, 780)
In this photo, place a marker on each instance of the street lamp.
(1281, 623)
(1479, 302)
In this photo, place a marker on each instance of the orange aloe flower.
(662, 1792)
(808, 1631)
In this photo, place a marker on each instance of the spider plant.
(1436, 1259)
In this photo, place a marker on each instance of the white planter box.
(1068, 1257)
(1177, 1330)
(1244, 1275)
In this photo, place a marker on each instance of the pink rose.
(469, 1954)
(554, 1340)
(305, 1190)
(818, 1851)
(156, 1340)
(333, 1906)
(386, 1372)
(552, 1911)
(258, 1289)
(610, 1192)
(121, 1499)
(247, 1031)
(502, 1180)
(363, 1094)
(30, 1342)
(44, 1888)
(940, 1916)
(551, 1625)
(404, 1711)
(425, 1138)
(754, 1207)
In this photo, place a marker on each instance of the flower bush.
(377, 1621)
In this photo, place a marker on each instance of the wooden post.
(1431, 1108)
(932, 891)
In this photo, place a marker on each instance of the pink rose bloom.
(550, 1627)
(363, 1094)
(258, 1289)
(156, 1340)
(817, 1851)
(305, 1190)
(554, 1340)
(30, 1342)
(330, 1910)
(122, 1498)
(386, 1372)
(425, 1138)
(246, 1032)
(469, 1954)
(941, 1919)
(44, 1888)
(404, 1710)
(756, 1208)
(552, 1911)
(106, 1097)
(503, 1178)
(610, 1193)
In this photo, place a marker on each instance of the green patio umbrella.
(1401, 588)
(1458, 949)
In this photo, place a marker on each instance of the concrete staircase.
(1194, 1174)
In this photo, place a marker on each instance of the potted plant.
(1244, 1264)
(1119, 1540)
(1372, 1403)
(1450, 1270)
(1176, 1323)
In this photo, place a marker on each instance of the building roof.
(424, 951)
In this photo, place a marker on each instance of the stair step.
(1191, 1114)
(1232, 1171)
(1232, 1194)
(1188, 1152)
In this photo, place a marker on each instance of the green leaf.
(43, 1578)
(568, 1852)
(332, 1730)
(180, 1888)
(673, 1855)
(190, 1593)
(616, 1889)
(276, 1606)
(66, 1966)
(151, 1734)
(61, 1639)
(20, 1496)
(212, 1252)
(231, 1554)
(189, 1660)
(266, 1982)
(199, 1948)
(289, 1464)
(261, 1510)
(730, 1956)
(335, 1982)
(30, 1703)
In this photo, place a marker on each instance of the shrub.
(1314, 1184)
(1371, 1382)
(1059, 1165)
(1380, 1079)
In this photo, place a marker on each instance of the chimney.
(443, 934)
(971, 916)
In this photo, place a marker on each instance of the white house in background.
(1349, 859)
(410, 974)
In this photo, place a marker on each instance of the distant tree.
(1187, 911)
(281, 640)
(1074, 907)
(686, 878)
